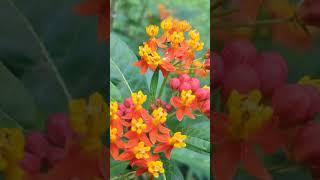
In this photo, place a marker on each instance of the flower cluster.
(45, 150)
(139, 133)
(261, 108)
(138, 137)
(12, 150)
(190, 96)
(178, 50)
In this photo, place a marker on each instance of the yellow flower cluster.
(177, 140)
(194, 40)
(138, 125)
(11, 152)
(155, 167)
(159, 116)
(187, 97)
(247, 113)
(138, 99)
(141, 151)
(89, 119)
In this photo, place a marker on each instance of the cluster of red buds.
(260, 107)
(159, 103)
(47, 149)
(185, 83)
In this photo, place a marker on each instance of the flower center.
(159, 116)
(138, 126)
(155, 167)
(187, 97)
(247, 114)
(177, 140)
(138, 99)
(113, 134)
(141, 151)
(114, 111)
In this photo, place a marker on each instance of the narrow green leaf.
(115, 94)
(154, 84)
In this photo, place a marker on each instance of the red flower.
(230, 151)
(184, 104)
(98, 8)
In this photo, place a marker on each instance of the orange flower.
(184, 104)
(151, 165)
(137, 133)
(151, 60)
(156, 125)
(140, 151)
(115, 142)
(98, 8)
(168, 144)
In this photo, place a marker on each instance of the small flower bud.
(202, 94)
(195, 84)
(31, 163)
(174, 83)
(185, 86)
(37, 144)
(184, 77)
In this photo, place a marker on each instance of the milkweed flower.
(157, 129)
(184, 104)
(167, 145)
(89, 119)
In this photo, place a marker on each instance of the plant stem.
(257, 23)
(163, 85)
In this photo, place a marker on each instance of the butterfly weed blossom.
(139, 132)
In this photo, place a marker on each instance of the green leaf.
(154, 84)
(194, 160)
(118, 168)
(172, 171)
(17, 106)
(115, 93)
(122, 72)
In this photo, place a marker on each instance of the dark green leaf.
(154, 84)
(17, 106)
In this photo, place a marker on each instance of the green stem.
(257, 23)
(163, 85)
(164, 176)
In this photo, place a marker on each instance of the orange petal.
(125, 156)
(189, 113)
(176, 102)
(161, 147)
(180, 114)
(254, 165)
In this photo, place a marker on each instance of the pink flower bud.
(55, 155)
(128, 102)
(291, 104)
(31, 163)
(168, 107)
(205, 108)
(184, 77)
(242, 78)
(207, 64)
(194, 83)
(185, 86)
(238, 52)
(174, 83)
(202, 94)
(37, 144)
(121, 109)
(59, 131)
(158, 101)
(272, 71)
